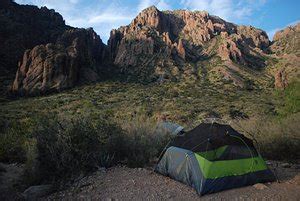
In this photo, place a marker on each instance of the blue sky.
(104, 15)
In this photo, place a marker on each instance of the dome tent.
(213, 157)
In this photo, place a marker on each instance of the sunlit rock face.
(76, 57)
(156, 43)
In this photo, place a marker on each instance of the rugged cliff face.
(287, 41)
(286, 47)
(47, 54)
(170, 45)
(76, 57)
(155, 47)
(23, 27)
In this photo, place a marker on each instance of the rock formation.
(287, 41)
(23, 27)
(175, 39)
(76, 57)
(286, 47)
(155, 46)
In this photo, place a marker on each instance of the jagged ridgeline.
(45, 55)
(183, 44)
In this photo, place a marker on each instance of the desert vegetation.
(55, 149)
(61, 136)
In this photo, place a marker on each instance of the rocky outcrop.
(281, 81)
(287, 41)
(286, 49)
(23, 27)
(76, 57)
(180, 49)
(173, 39)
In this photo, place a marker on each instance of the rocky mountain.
(46, 54)
(76, 57)
(157, 46)
(287, 41)
(286, 47)
(23, 27)
(176, 44)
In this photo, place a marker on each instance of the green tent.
(213, 157)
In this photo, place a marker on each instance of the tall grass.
(275, 138)
(54, 148)
(143, 140)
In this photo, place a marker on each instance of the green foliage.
(56, 148)
(67, 148)
(13, 137)
(291, 99)
(119, 128)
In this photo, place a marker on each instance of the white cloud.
(74, 1)
(272, 32)
(232, 10)
(145, 4)
(102, 15)
(163, 5)
(106, 17)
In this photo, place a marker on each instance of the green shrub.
(290, 99)
(66, 149)
(13, 136)
(55, 149)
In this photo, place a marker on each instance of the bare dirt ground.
(123, 183)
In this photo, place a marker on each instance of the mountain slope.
(286, 49)
(178, 44)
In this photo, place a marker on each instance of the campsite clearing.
(122, 183)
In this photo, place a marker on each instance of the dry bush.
(275, 138)
(144, 141)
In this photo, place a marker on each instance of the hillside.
(23, 27)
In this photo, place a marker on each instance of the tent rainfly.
(213, 157)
